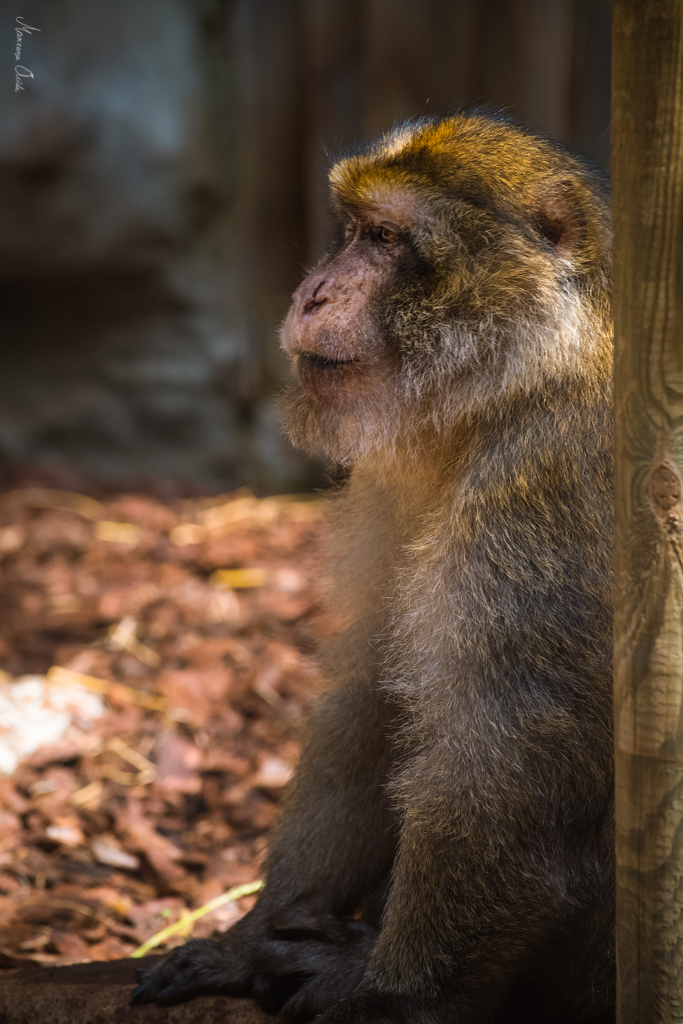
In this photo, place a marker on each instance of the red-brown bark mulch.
(120, 826)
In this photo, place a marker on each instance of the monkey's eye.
(386, 235)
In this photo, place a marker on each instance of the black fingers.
(201, 966)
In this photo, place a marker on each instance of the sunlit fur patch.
(455, 154)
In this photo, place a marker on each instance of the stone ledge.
(99, 993)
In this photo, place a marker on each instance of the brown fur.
(446, 851)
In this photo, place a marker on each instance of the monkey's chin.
(314, 424)
(347, 431)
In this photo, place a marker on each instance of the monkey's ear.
(560, 217)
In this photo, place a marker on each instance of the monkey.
(445, 853)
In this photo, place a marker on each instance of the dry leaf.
(238, 579)
(107, 851)
(117, 533)
(71, 945)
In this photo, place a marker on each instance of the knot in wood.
(665, 487)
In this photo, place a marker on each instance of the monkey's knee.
(309, 962)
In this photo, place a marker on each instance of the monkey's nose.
(315, 293)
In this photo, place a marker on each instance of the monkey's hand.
(200, 967)
(296, 962)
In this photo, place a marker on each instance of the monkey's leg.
(476, 894)
(332, 847)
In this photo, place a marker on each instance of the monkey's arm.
(331, 849)
(336, 838)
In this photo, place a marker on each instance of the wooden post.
(647, 166)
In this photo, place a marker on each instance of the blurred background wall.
(162, 185)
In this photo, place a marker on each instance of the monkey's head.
(472, 265)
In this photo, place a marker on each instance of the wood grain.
(647, 163)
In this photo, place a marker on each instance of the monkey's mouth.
(312, 361)
(326, 380)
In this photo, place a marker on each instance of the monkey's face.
(331, 330)
(348, 367)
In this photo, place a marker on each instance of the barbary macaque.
(445, 853)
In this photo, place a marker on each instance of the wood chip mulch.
(191, 625)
